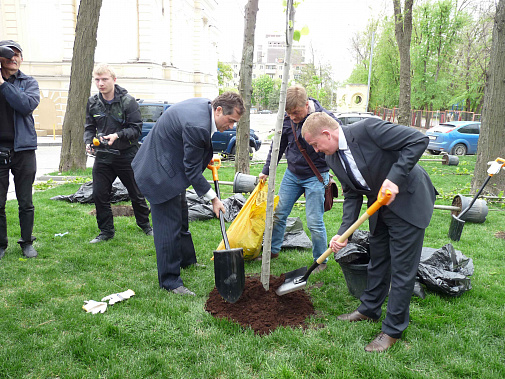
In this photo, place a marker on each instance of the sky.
(331, 23)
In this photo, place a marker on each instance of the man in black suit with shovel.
(173, 157)
(371, 156)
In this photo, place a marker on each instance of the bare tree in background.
(492, 132)
(245, 88)
(73, 154)
(403, 34)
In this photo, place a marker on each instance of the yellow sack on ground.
(246, 231)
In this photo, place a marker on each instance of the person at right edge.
(299, 177)
(371, 156)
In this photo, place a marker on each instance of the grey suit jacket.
(176, 152)
(383, 150)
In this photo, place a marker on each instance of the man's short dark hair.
(229, 101)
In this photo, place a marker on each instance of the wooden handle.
(381, 200)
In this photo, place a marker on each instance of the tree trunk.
(245, 88)
(73, 155)
(492, 132)
(267, 243)
(403, 34)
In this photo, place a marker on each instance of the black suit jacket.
(383, 150)
(176, 152)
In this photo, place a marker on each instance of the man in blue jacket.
(19, 96)
(299, 178)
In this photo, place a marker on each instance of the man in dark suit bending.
(371, 156)
(173, 157)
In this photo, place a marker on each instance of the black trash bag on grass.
(445, 270)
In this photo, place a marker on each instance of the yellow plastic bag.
(246, 231)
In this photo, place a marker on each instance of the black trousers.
(105, 171)
(23, 166)
(395, 251)
(172, 239)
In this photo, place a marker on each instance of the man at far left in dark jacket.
(19, 96)
(113, 117)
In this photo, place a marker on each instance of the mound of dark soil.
(263, 311)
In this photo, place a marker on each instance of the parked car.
(455, 138)
(150, 111)
(349, 118)
(224, 142)
(265, 111)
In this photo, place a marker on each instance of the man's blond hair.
(104, 68)
(317, 122)
(296, 97)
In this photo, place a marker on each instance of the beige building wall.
(160, 49)
(352, 98)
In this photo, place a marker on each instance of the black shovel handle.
(474, 198)
(221, 219)
(214, 165)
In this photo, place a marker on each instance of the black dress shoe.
(29, 251)
(101, 237)
(2, 252)
(355, 316)
(148, 231)
(381, 343)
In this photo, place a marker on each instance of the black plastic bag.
(84, 194)
(295, 236)
(357, 250)
(201, 209)
(445, 270)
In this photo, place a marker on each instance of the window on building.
(280, 76)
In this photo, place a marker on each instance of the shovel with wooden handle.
(457, 222)
(297, 279)
(229, 272)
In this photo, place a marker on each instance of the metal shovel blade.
(456, 228)
(293, 282)
(229, 273)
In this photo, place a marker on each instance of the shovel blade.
(456, 228)
(292, 282)
(229, 273)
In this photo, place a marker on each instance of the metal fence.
(427, 119)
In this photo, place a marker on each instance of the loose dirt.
(263, 311)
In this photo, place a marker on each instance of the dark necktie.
(350, 174)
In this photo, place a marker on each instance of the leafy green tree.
(224, 72)
(318, 83)
(262, 90)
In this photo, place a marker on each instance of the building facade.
(160, 49)
(269, 60)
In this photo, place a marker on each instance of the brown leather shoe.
(355, 316)
(381, 343)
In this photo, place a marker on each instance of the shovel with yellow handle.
(297, 279)
(229, 272)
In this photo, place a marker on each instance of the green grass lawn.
(44, 333)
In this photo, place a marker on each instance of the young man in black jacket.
(113, 117)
